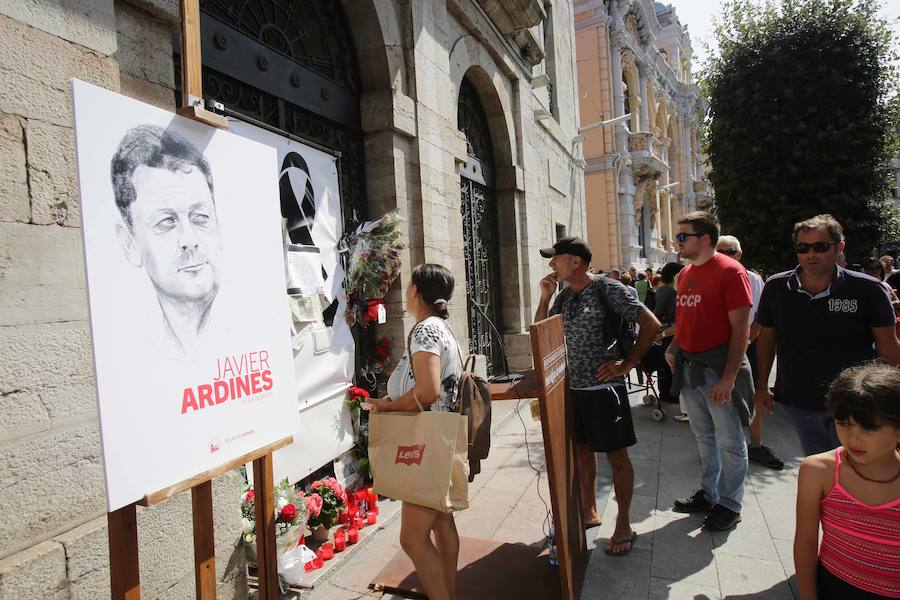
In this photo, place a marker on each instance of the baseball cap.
(568, 245)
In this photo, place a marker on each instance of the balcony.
(649, 156)
(513, 15)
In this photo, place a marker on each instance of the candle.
(352, 535)
(371, 496)
(358, 522)
(371, 517)
(318, 563)
(320, 554)
(344, 517)
(340, 542)
(362, 500)
(327, 551)
(309, 566)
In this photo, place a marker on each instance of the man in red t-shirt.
(709, 364)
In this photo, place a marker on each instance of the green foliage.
(801, 122)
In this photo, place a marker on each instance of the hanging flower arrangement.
(374, 264)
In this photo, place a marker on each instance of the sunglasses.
(818, 247)
(682, 237)
(730, 251)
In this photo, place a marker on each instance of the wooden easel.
(125, 580)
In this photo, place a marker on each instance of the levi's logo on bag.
(410, 455)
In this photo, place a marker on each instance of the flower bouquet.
(327, 498)
(374, 264)
(291, 510)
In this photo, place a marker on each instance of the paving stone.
(750, 538)
(666, 589)
(683, 552)
(779, 513)
(617, 576)
(744, 578)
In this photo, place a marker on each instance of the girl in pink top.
(854, 492)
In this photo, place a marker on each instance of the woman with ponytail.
(426, 378)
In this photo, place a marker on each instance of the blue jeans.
(720, 438)
(815, 428)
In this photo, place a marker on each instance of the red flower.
(288, 513)
(314, 504)
(250, 496)
(382, 351)
(356, 393)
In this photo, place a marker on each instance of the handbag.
(420, 458)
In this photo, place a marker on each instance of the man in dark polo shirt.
(596, 370)
(820, 319)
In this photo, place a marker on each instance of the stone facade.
(412, 58)
(644, 172)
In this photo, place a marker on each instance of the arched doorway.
(289, 66)
(480, 231)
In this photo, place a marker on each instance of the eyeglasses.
(818, 247)
(730, 251)
(682, 237)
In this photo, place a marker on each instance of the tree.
(801, 122)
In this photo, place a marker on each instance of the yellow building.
(638, 108)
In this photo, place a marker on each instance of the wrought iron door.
(289, 65)
(480, 235)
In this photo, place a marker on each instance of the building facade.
(644, 171)
(461, 114)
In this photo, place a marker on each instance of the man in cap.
(592, 308)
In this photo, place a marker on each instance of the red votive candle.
(340, 542)
(371, 517)
(371, 496)
(309, 566)
(343, 517)
(318, 563)
(358, 522)
(352, 535)
(327, 551)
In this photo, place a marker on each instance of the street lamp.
(612, 121)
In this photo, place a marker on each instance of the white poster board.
(323, 354)
(185, 273)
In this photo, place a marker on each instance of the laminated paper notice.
(304, 270)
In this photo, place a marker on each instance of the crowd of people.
(719, 328)
(709, 331)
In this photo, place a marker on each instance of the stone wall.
(53, 541)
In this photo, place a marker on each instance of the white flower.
(247, 525)
(281, 503)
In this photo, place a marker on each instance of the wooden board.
(548, 350)
(526, 387)
(487, 569)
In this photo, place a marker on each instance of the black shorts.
(603, 419)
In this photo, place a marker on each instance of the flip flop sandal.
(591, 524)
(630, 541)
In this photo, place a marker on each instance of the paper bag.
(420, 458)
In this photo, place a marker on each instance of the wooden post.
(124, 571)
(192, 68)
(264, 485)
(204, 541)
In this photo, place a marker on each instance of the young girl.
(854, 491)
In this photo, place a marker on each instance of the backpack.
(616, 327)
(473, 399)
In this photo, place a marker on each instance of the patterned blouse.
(430, 335)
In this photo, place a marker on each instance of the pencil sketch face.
(174, 234)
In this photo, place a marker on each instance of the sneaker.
(764, 456)
(692, 504)
(682, 418)
(721, 519)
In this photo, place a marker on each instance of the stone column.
(616, 34)
(644, 73)
(628, 228)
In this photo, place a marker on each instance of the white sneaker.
(682, 418)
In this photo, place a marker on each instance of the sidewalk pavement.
(672, 558)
